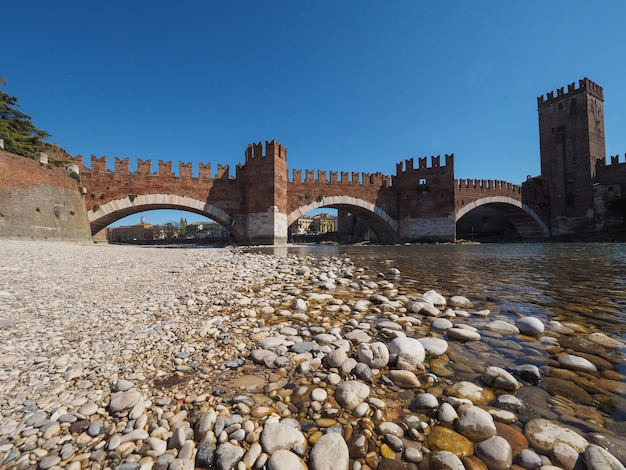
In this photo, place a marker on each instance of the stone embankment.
(138, 358)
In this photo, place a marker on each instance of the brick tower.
(571, 139)
(266, 178)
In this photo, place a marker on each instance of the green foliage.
(132, 197)
(320, 198)
(72, 212)
(19, 133)
(75, 176)
(95, 208)
(183, 227)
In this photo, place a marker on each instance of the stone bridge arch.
(527, 223)
(118, 208)
(379, 221)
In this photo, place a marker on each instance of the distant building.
(302, 225)
(323, 223)
(207, 230)
(140, 231)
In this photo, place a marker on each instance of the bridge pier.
(267, 228)
(428, 229)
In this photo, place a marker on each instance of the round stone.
(499, 378)
(318, 394)
(543, 435)
(570, 361)
(404, 378)
(48, 461)
(598, 458)
(476, 424)
(445, 460)
(123, 400)
(495, 452)
(442, 438)
(410, 346)
(228, 455)
(351, 394)
(435, 298)
(123, 385)
(529, 459)
(462, 334)
(460, 301)
(435, 347)
(447, 415)
(276, 436)
(282, 459)
(472, 392)
(425, 402)
(441, 324)
(329, 452)
(530, 326)
(375, 355)
(502, 327)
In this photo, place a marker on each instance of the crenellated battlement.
(269, 149)
(486, 185)
(409, 165)
(614, 161)
(342, 178)
(613, 168)
(121, 166)
(583, 85)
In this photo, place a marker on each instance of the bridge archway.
(119, 208)
(527, 223)
(379, 221)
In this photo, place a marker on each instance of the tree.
(19, 133)
(183, 227)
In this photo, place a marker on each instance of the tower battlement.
(269, 149)
(583, 85)
(422, 162)
(614, 161)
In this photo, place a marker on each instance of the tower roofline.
(583, 85)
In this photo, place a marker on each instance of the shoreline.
(118, 357)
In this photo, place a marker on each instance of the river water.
(575, 284)
(578, 282)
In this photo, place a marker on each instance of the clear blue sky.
(344, 85)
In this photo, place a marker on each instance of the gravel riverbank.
(137, 358)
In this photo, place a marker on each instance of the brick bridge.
(258, 203)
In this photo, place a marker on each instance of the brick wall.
(39, 201)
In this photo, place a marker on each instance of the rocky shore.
(153, 358)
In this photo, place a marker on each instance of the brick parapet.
(470, 190)
(342, 178)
